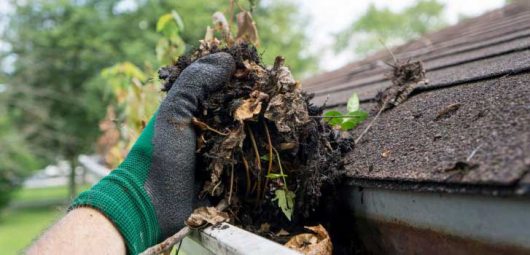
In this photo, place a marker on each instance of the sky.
(330, 16)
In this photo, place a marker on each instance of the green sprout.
(347, 121)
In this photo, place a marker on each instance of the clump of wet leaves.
(261, 145)
(260, 148)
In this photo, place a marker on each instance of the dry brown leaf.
(261, 75)
(285, 79)
(318, 243)
(224, 152)
(246, 28)
(282, 232)
(288, 111)
(250, 107)
(206, 215)
(220, 24)
(264, 228)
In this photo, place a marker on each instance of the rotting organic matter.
(258, 147)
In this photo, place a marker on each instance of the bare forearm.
(82, 231)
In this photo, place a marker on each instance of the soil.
(259, 138)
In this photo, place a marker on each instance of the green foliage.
(285, 200)
(59, 93)
(347, 121)
(382, 24)
(171, 45)
(353, 103)
(282, 32)
(16, 160)
(275, 176)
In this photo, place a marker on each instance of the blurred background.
(78, 78)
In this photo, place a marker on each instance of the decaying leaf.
(206, 215)
(246, 28)
(318, 243)
(282, 232)
(288, 111)
(224, 152)
(264, 228)
(257, 71)
(286, 81)
(250, 107)
(285, 200)
(220, 24)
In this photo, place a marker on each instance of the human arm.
(82, 231)
(150, 194)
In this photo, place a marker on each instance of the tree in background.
(57, 93)
(365, 34)
(15, 157)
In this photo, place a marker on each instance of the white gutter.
(227, 239)
(496, 220)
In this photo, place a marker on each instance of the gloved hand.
(149, 196)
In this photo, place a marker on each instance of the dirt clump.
(405, 77)
(260, 146)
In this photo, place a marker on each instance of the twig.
(473, 153)
(270, 156)
(247, 171)
(239, 6)
(388, 49)
(231, 184)
(177, 237)
(205, 126)
(281, 168)
(258, 162)
(371, 122)
(230, 20)
(168, 243)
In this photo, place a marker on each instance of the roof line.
(431, 69)
(517, 189)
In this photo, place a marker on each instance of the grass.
(20, 225)
(25, 195)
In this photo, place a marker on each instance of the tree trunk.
(72, 185)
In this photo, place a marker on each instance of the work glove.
(150, 195)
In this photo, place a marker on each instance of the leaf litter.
(258, 147)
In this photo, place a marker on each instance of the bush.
(16, 160)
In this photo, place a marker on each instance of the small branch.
(270, 156)
(205, 126)
(231, 184)
(247, 171)
(168, 243)
(258, 162)
(473, 153)
(177, 237)
(371, 122)
(281, 168)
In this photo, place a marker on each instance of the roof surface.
(470, 125)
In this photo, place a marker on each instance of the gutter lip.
(517, 189)
(493, 220)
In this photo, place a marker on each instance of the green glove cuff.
(121, 196)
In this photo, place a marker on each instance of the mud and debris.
(406, 77)
(259, 148)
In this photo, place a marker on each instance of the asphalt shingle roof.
(481, 68)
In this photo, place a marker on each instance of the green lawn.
(25, 195)
(19, 225)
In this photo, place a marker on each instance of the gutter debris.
(259, 149)
(264, 149)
